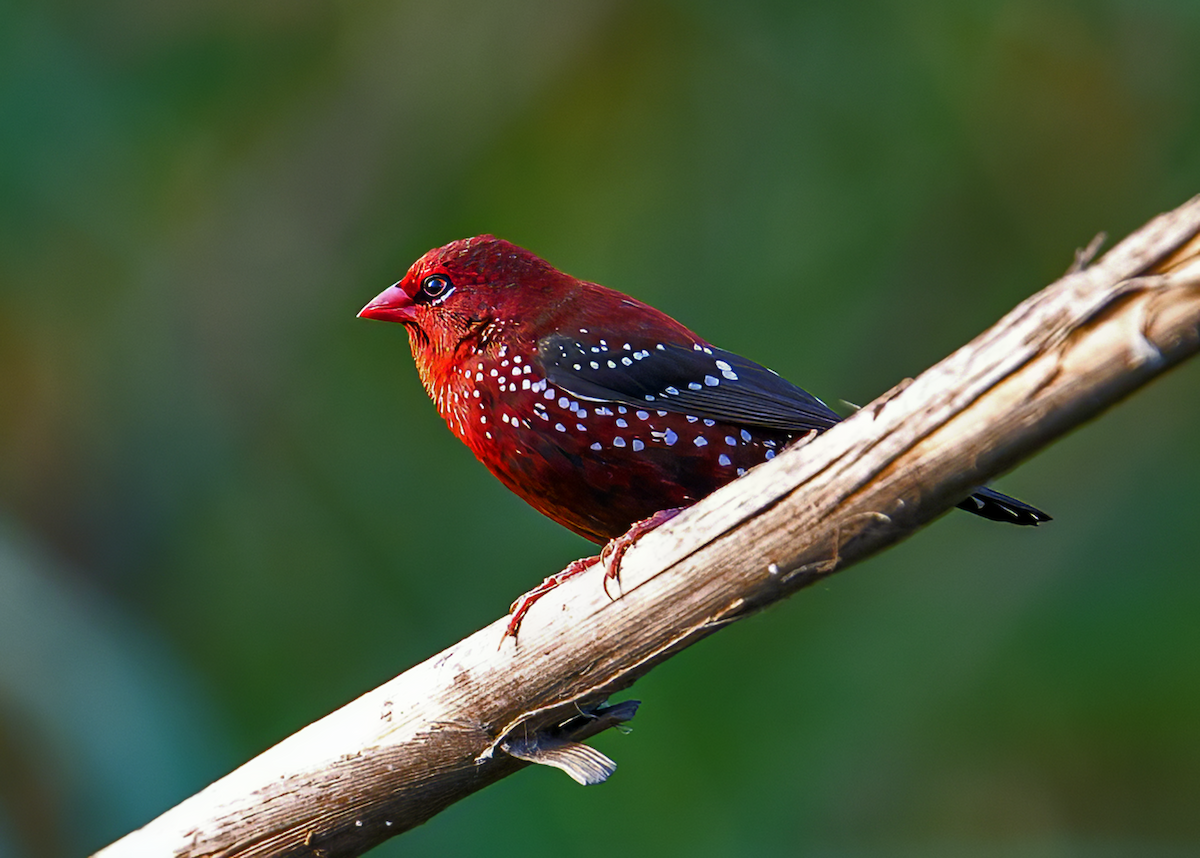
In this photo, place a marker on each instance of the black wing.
(690, 378)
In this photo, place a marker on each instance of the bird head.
(462, 290)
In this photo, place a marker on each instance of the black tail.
(991, 504)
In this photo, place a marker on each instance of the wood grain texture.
(402, 752)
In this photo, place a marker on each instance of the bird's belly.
(598, 468)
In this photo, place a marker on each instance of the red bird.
(603, 413)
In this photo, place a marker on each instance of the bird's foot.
(610, 557)
(614, 551)
(521, 607)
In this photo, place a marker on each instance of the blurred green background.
(226, 506)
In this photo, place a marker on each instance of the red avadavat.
(600, 411)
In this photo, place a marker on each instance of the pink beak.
(390, 305)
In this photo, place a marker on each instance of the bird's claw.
(521, 606)
(610, 556)
(614, 552)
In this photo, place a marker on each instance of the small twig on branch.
(471, 715)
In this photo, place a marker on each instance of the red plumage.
(597, 409)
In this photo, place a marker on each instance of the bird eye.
(436, 286)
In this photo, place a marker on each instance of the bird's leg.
(610, 556)
(524, 603)
(612, 553)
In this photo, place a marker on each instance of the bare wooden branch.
(399, 754)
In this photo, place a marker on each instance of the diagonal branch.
(472, 715)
